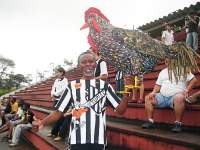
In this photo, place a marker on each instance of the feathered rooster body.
(132, 51)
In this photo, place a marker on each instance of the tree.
(5, 64)
(15, 80)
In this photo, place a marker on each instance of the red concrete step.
(137, 112)
(41, 142)
(134, 137)
(41, 112)
(34, 96)
(40, 103)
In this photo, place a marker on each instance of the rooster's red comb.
(93, 10)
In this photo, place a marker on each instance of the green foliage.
(4, 91)
(8, 80)
(5, 65)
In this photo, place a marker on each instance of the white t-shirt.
(59, 86)
(169, 88)
(168, 37)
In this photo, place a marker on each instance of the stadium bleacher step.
(121, 133)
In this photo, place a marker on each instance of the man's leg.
(195, 41)
(149, 111)
(56, 127)
(134, 92)
(179, 107)
(141, 100)
(148, 107)
(17, 133)
(64, 131)
(189, 40)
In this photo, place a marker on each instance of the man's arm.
(102, 77)
(53, 117)
(156, 89)
(191, 83)
(121, 108)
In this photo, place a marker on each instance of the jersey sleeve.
(64, 100)
(112, 98)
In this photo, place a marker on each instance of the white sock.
(178, 122)
(151, 120)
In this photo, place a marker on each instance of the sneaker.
(188, 99)
(49, 135)
(177, 128)
(148, 125)
(58, 138)
(13, 144)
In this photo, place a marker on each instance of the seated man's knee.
(179, 98)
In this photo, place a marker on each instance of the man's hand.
(152, 98)
(53, 98)
(152, 95)
(37, 125)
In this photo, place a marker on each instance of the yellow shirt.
(14, 107)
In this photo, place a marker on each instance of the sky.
(39, 34)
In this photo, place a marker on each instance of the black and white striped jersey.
(88, 99)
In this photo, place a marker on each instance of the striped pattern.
(90, 127)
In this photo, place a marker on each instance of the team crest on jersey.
(78, 112)
(77, 85)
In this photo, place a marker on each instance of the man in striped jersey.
(88, 98)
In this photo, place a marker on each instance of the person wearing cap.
(59, 85)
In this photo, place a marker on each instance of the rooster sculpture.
(133, 51)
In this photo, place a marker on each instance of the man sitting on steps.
(167, 93)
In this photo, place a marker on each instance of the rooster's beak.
(84, 26)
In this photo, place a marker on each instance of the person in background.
(167, 93)
(4, 111)
(58, 87)
(13, 119)
(10, 110)
(119, 82)
(101, 71)
(88, 97)
(191, 23)
(26, 124)
(167, 35)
